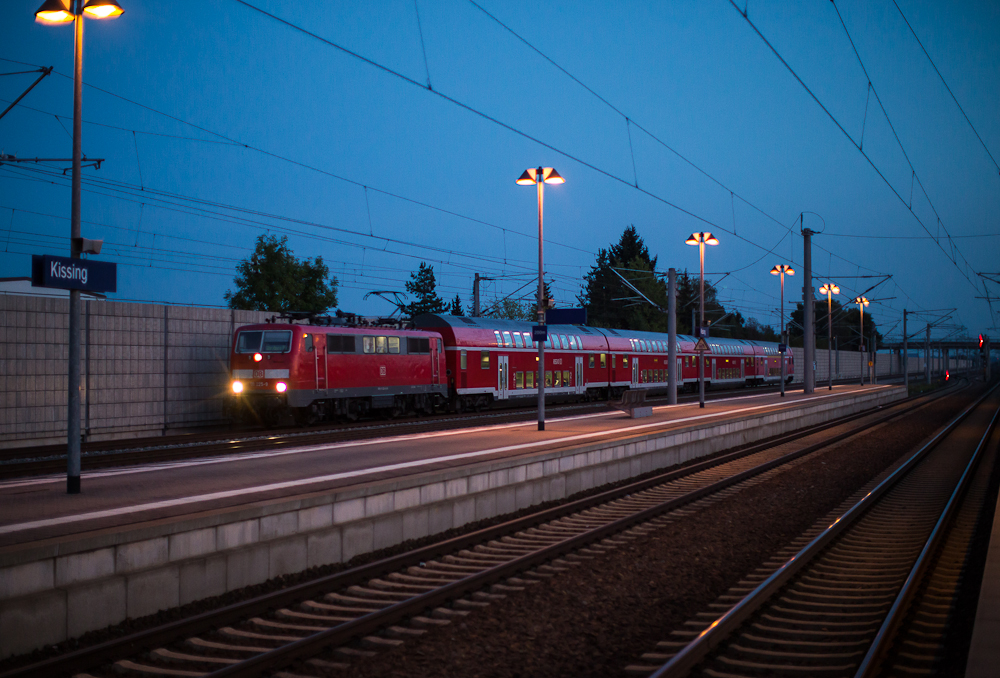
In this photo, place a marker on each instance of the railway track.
(325, 624)
(868, 591)
(51, 459)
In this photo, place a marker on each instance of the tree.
(510, 309)
(456, 306)
(846, 325)
(273, 279)
(424, 287)
(604, 293)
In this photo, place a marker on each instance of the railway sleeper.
(172, 657)
(768, 642)
(321, 664)
(779, 669)
(240, 634)
(202, 644)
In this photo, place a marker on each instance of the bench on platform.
(634, 403)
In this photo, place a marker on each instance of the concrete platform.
(142, 539)
(984, 648)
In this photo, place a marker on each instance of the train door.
(435, 365)
(680, 372)
(319, 341)
(580, 386)
(503, 380)
(712, 372)
(635, 372)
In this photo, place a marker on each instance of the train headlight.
(281, 386)
(257, 357)
(237, 387)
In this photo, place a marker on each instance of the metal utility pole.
(927, 355)
(672, 336)
(475, 297)
(874, 367)
(73, 404)
(809, 338)
(906, 355)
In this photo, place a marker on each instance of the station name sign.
(73, 274)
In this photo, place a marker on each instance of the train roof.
(614, 337)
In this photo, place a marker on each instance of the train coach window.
(484, 360)
(462, 360)
(564, 341)
(517, 340)
(496, 336)
(624, 361)
(530, 380)
(604, 361)
(369, 343)
(307, 343)
(380, 344)
(548, 379)
(518, 378)
(567, 380)
(527, 340)
(393, 344)
(590, 361)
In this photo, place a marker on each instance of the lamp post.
(61, 12)
(540, 176)
(701, 239)
(862, 302)
(829, 290)
(782, 270)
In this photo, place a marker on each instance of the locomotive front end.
(260, 370)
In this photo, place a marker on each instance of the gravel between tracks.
(595, 621)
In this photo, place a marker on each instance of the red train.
(321, 373)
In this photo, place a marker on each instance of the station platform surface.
(984, 648)
(33, 509)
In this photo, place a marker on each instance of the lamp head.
(553, 177)
(782, 268)
(710, 239)
(103, 9)
(861, 301)
(693, 239)
(54, 12)
(527, 178)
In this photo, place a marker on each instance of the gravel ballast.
(597, 618)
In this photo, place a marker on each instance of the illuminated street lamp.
(540, 176)
(829, 290)
(59, 12)
(782, 270)
(701, 239)
(862, 302)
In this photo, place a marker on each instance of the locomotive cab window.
(264, 341)
(307, 343)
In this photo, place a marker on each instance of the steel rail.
(871, 664)
(695, 651)
(87, 658)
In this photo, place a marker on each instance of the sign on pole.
(539, 333)
(73, 274)
(702, 345)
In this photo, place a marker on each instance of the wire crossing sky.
(384, 134)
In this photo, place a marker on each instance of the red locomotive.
(319, 373)
(327, 372)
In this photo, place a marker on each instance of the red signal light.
(980, 341)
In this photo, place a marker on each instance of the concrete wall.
(885, 364)
(132, 348)
(63, 588)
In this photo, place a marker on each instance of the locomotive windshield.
(269, 341)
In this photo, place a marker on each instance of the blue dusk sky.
(382, 134)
